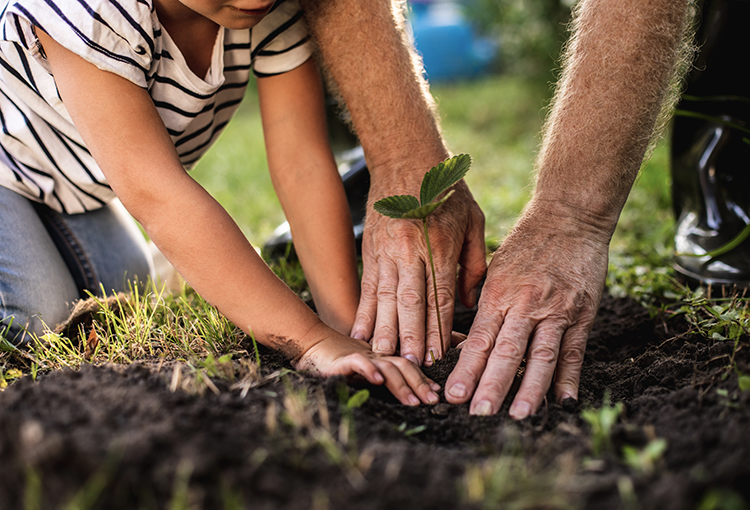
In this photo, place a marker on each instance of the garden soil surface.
(157, 435)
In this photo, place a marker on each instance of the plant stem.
(434, 282)
(711, 118)
(731, 245)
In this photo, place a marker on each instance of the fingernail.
(566, 395)
(457, 390)
(433, 398)
(412, 358)
(358, 335)
(379, 378)
(520, 410)
(413, 400)
(435, 386)
(483, 408)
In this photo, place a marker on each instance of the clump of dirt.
(128, 437)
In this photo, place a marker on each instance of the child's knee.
(27, 314)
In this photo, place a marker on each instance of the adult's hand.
(539, 301)
(545, 283)
(365, 49)
(397, 287)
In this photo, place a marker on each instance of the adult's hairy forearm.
(616, 78)
(365, 52)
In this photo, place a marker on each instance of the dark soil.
(118, 437)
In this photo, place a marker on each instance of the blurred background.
(491, 65)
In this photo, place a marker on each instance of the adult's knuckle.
(445, 298)
(478, 344)
(409, 337)
(368, 288)
(572, 356)
(385, 332)
(410, 297)
(387, 291)
(543, 352)
(364, 317)
(508, 351)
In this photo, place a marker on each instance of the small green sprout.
(602, 421)
(644, 460)
(435, 182)
(744, 382)
(358, 399)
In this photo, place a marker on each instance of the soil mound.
(139, 436)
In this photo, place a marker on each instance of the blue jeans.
(49, 260)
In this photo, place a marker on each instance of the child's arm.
(122, 129)
(310, 190)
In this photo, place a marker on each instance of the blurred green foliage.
(531, 32)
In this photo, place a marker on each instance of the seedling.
(602, 421)
(644, 460)
(435, 183)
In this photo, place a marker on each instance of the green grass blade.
(711, 118)
(731, 245)
(442, 176)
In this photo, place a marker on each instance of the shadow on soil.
(118, 437)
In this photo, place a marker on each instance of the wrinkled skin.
(539, 301)
(397, 288)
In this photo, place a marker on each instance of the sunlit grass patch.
(148, 324)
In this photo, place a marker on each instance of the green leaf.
(421, 213)
(744, 382)
(396, 206)
(358, 399)
(442, 176)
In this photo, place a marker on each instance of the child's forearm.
(324, 241)
(209, 250)
(310, 190)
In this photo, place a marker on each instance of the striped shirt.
(42, 155)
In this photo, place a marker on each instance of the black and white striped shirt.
(42, 155)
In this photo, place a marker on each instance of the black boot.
(711, 152)
(356, 179)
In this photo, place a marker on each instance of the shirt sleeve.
(115, 37)
(280, 42)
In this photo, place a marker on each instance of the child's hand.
(340, 355)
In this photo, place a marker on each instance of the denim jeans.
(49, 260)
